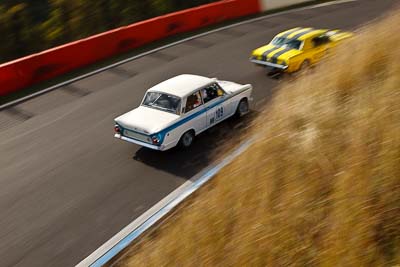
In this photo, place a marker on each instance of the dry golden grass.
(321, 187)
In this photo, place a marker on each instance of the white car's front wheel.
(243, 108)
(186, 139)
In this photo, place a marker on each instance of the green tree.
(28, 27)
(182, 4)
(19, 35)
(6, 44)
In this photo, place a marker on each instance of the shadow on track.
(188, 162)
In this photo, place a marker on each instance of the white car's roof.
(181, 85)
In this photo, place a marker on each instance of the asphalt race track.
(67, 186)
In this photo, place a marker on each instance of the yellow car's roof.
(301, 34)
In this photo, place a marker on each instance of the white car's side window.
(193, 101)
(211, 92)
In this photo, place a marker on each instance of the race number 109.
(219, 113)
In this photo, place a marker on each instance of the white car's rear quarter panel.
(197, 123)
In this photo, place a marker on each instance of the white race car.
(176, 110)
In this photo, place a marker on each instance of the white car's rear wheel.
(186, 139)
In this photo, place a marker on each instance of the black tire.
(327, 52)
(304, 66)
(242, 108)
(187, 139)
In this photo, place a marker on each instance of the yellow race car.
(297, 48)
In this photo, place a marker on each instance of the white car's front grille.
(137, 136)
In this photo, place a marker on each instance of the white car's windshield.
(285, 42)
(163, 102)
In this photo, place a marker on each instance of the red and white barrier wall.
(24, 72)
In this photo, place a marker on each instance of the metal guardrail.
(122, 240)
